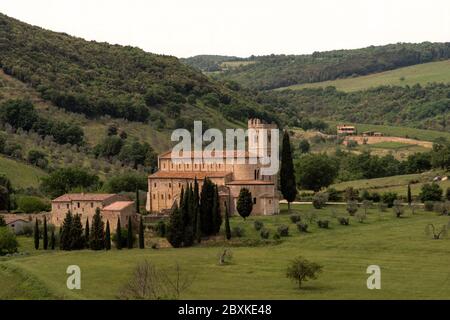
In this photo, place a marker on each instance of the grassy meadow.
(412, 265)
(22, 175)
(422, 73)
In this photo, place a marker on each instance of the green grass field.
(421, 73)
(412, 265)
(390, 145)
(21, 175)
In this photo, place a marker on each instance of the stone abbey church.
(165, 185)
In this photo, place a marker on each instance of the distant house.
(346, 130)
(111, 207)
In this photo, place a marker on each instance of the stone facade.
(85, 204)
(164, 186)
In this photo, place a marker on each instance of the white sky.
(240, 27)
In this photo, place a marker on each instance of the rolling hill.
(22, 175)
(423, 74)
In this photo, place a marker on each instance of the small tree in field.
(36, 235)
(352, 207)
(398, 208)
(301, 269)
(431, 230)
(245, 203)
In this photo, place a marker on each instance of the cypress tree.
(287, 174)
(227, 223)
(198, 220)
(187, 211)
(76, 234)
(206, 207)
(245, 203)
(36, 235)
(141, 234)
(45, 234)
(64, 239)
(107, 237)
(409, 194)
(138, 207)
(97, 236)
(118, 235)
(174, 232)
(130, 234)
(216, 216)
(86, 233)
(52, 240)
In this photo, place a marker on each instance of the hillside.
(208, 63)
(97, 79)
(22, 175)
(423, 74)
(276, 71)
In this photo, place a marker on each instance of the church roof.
(118, 205)
(250, 182)
(200, 175)
(200, 155)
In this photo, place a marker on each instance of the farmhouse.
(111, 207)
(346, 130)
(164, 186)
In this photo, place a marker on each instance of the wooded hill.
(276, 71)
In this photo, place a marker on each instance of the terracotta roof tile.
(234, 153)
(83, 197)
(250, 182)
(118, 205)
(189, 175)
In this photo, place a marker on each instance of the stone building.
(164, 186)
(111, 207)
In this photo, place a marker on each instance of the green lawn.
(412, 265)
(389, 145)
(21, 175)
(421, 73)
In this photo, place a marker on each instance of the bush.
(161, 229)
(398, 208)
(31, 204)
(320, 200)
(238, 232)
(430, 192)
(302, 227)
(283, 230)
(344, 221)
(333, 194)
(352, 207)
(276, 236)
(429, 205)
(443, 208)
(324, 224)
(8, 241)
(258, 225)
(264, 233)
(389, 198)
(301, 270)
(295, 218)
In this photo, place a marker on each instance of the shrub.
(300, 270)
(264, 233)
(295, 218)
(31, 204)
(276, 236)
(258, 225)
(352, 207)
(238, 232)
(429, 205)
(319, 200)
(311, 217)
(389, 198)
(333, 194)
(443, 208)
(302, 227)
(361, 216)
(283, 230)
(8, 241)
(161, 229)
(344, 221)
(324, 224)
(398, 208)
(430, 192)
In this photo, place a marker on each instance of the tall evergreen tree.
(409, 194)
(36, 235)
(76, 234)
(107, 237)
(141, 234)
(118, 235)
(216, 216)
(287, 174)
(198, 220)
(245, 203)
(187, 210)
(138, 206)
(45, 234)
(206, 207)
(175, 228)
(64, 238)
(227, 223)
(130, 234)
(97, 236)
(87, 236)
(52, 240)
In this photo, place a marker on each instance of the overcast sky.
(240, 27)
